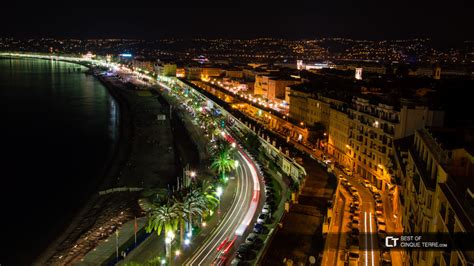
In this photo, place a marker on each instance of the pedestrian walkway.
(108, 248)
(154, 246)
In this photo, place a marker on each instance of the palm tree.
(163, 218)
(179, 205)
(193, 205)
(223, 163)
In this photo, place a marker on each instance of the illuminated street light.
(187, 241)
(233, 145)
(193, 174)
(236, 163)
(219, 192)
(178, 252)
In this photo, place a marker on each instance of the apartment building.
(272, 87)
(374, 128)
(438, 193)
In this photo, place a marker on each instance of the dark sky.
(448, 22)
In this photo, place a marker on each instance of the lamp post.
(219, 194)
(169, 238)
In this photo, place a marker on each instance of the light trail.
(366, 242)
(371, 238)
(214, 238)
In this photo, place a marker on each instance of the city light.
(187, 241)
(219, 191)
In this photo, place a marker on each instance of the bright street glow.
(193, 174)
(219, 192)
(170, 234)
(236, 163)
(233, 145)
(204, 224)
(187, 241)
(167, 240)
(178, 252)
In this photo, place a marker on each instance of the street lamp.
(219, 194)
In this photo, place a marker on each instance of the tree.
(223, 163)
(163, 218)
(193, 205)
(182, 213)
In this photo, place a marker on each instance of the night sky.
(451, 22)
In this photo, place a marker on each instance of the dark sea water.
(58, 127)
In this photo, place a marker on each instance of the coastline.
(118, 156)
(146, 156)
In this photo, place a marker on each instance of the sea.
(58, 128)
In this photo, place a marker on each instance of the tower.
(358, 73)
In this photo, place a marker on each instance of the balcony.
(421, 168)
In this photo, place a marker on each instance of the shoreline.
(147, 157)
(116, 160)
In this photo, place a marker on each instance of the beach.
(144, 157)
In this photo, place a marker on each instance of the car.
(386, 257)
(366, 183)
(355, 221)
(379, 207)
(266, 210)
(374, 189)
(247, 255)
(252, 238)
(377, 196)
(347, 171)
(379, 214)
(235, 262)
(244, 248)
(342, 178)
(258, 228)
(380, 220)
(262, 218)
(356, 202)
(378, 201)
(354, 218)
(382, 228)
(382, 234)
(355, 232)
(352, 257)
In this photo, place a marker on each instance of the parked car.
(347, 171)
(266, 210)
(252, 238)
(374, 189)
(262, 218)
(366, 183)
(380, 220)
(258, 228)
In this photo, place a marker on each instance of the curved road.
(233, 218)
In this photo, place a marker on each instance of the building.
(166, 69)
(234, 73)
(271, 86)
(375, 126)
(438, 192)
(338, 139)
(145, 65)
